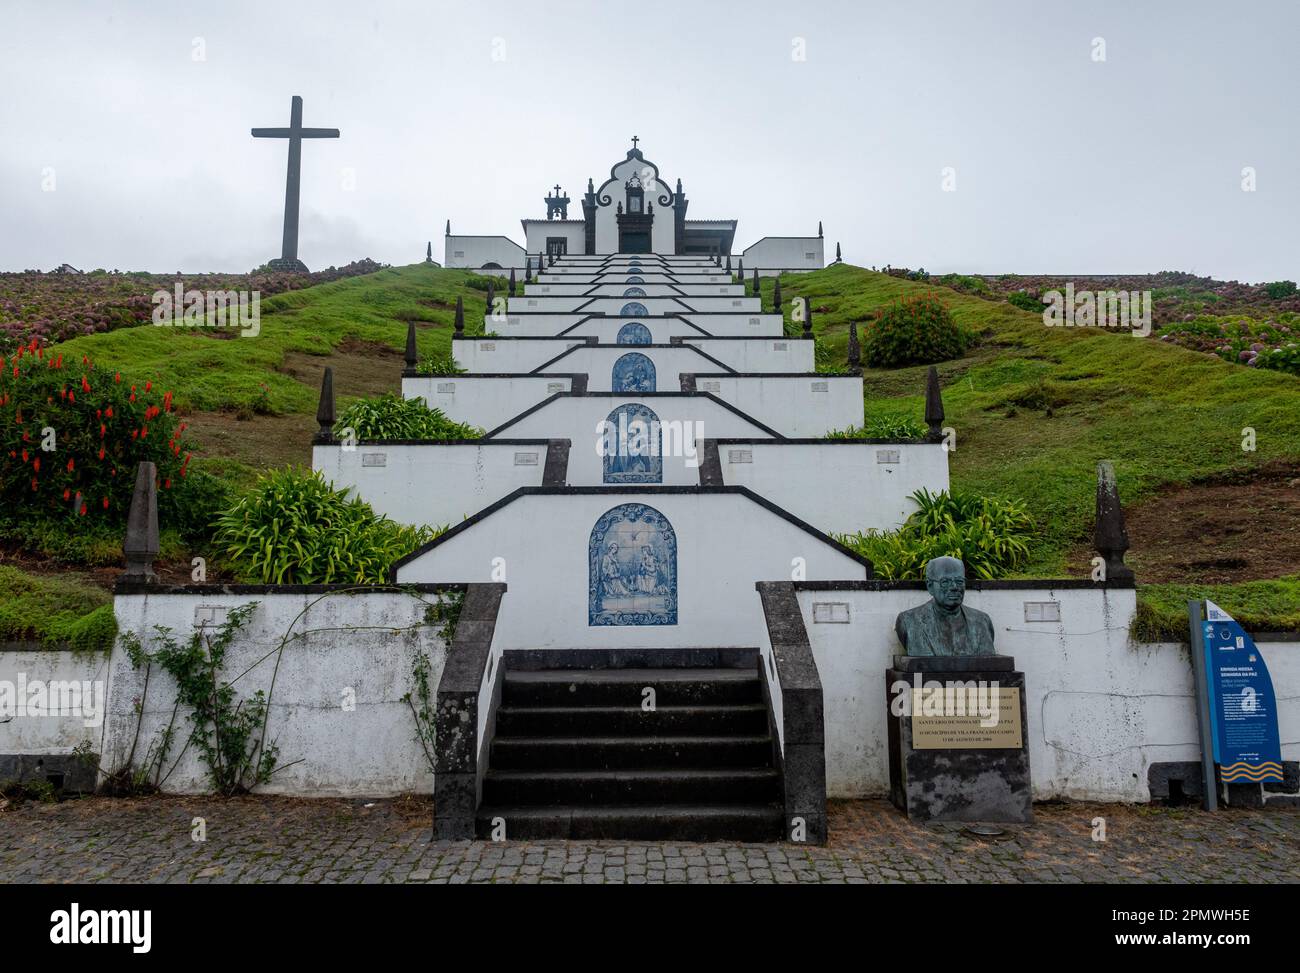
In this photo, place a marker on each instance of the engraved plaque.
(830, 612)
(713, 386)
(374, 459)
(887, 456)
(526, 459)
(553, 387)
(958, 726)
(446, 388)
(740, 456)
(487, 346)
(1042, 611)
(821, 386)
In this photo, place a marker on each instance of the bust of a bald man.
(943, 625)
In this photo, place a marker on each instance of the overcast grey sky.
(470, 111)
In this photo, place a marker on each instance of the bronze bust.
(943, 626)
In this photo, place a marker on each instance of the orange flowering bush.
(71, 435)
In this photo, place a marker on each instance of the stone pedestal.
(280, 265)
(945, 766)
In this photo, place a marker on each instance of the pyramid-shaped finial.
(740, 270)
(728, 264)
(412, 356)
(141, 543)
(448, 230)
(428, 253)
(776, 297)
(757, 291)
(933, 406)
(325, 410)
(1110, 536)
(807, 318)
(460, 317)
(819, 228)
(528, 269)
(512, 281)
(838, 257)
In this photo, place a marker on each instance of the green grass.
(1035, 408)
(56, 611)
(1260, 606)
(210, 374)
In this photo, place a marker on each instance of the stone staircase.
(576, 755)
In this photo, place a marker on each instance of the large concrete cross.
(295, 133)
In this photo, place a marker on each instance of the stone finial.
(1110, 536)
(933, 406)
(325, 411)
(819, 229)
(412, 356)
(717, 258)
(448, 230)
(776, 297)
(428, 253)
(528, 269)
(512, 281)
(855, 349)
(141, 543)
(757, 291)
(591, 187)
(460, 317)
(728, 264)
(807, 318)
(740, 270)
(550, 259)
(679, 185)
(838, 257)
(491, 295)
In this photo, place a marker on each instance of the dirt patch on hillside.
(361, 368)
(261, 441)
(1244, 526)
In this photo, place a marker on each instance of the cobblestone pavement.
(267, 839)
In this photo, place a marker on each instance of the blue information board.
(1243, 709)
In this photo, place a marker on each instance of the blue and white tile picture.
(633, 309)
(633, 333)
(633, 372)
(634, 292)
(631, 447)
(632, 568)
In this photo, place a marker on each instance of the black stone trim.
(453, 378)
(392, 587)
(638, 395)
(972, 584)
(1275, 636)
(590, 339)
(459, 756)
(816, 375)
(814, 441)
(684, 658)
(556, 471)
(443, 442)
(632, 489)
(711, 465)
(68, 772)
(622, 320)
(625, 349)
(803, 745)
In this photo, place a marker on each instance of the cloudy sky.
(124, 127)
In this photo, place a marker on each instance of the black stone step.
(601, 753)
(678, 822)
(708, 786)
(738, 718)
(584, 687)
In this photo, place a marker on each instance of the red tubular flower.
(106, 503)
(148, 386)
(36, 464)
(70, 462)
(85, 386)
(108, 413)
(167, 483)
(33, 483)
(24, 456)
(67, 494)
(101, 452)
(83, 510)
(117, 377)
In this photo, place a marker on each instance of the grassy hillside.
(1034, 408)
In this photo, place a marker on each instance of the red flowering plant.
(71, 435)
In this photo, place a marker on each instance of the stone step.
(583, 687)
(608, 721)
(677, 822)
(710, 785)
(607, 753)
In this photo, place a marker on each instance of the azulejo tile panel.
(632, 568)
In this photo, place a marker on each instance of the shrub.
(883, 427)
(56, 611)
(1279, 289)
(294, 528)
(389, 416)
(1285, 359)
(1025, 301)
(989, 535)
(915, 331)
(100, 423)
(440, 363)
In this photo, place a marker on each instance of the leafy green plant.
(446, 615)
(293, 527)
(439, 363)
(989, 535)
(56, 611)
(228, 734)
(1279, 289)
(1025, 301)
(1284, 359)
(883, 427)
(18, 792)
(389, 416)
(915, 331)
